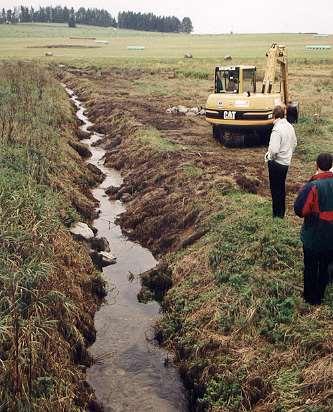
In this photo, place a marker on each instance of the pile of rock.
(188, 111)
(99, 249)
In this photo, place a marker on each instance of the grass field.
(234, 318)
(17, 41)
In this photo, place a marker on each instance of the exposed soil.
(173, 170)
(169, 190)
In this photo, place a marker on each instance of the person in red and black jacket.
(315, 203)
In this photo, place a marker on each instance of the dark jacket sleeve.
(305, 202)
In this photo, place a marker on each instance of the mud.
(167, 192)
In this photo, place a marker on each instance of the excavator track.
(233, 138)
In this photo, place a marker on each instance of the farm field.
(234, 318)
(20, 41)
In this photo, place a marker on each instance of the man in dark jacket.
(315, 204)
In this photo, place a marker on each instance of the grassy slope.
(46, 306)
(236, 318)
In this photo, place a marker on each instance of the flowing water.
(129, 373)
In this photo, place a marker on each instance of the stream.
(129, 373)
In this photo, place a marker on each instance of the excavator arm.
(276, 56)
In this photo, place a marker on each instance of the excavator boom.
(276, 56)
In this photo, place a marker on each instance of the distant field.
(24, 41)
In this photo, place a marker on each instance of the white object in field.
(189, 111)
(135, 47)
(182, 109)
(48, 54)
(102, 41)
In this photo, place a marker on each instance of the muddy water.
(129, 373)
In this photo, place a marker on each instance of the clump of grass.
(314, 136)
(224, 391)
(40, 271)
(193, 74)
(192, 170)
(153, 138)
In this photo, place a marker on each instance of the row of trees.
(58, 14)
(151, 22)
(96, 17)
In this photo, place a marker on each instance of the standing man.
(282, 144)
(315, 204)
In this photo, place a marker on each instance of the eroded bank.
(48, 282)
(130, 371)
(234, 317)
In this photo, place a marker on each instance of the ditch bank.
(50, 289)
(129, 371)
(234, 318)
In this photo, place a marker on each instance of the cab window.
(232, 84)
(227, 81)
(249, 80)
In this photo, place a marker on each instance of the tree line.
(58, 14)
(96, 17)
(151, 22)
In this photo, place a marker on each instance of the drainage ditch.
(130, 371)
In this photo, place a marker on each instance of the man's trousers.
(318, 268)
(277, 182)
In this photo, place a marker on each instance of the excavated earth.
(167, 190)
(233, 317)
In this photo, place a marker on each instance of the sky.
(219, 16)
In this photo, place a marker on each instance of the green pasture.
(29, 41)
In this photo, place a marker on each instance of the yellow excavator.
(238, 113)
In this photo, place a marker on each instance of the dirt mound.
(170, 173)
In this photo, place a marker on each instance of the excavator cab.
(227, 80)
(237, 79)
